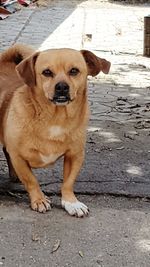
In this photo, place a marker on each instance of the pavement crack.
(24, 26)
(83, 28)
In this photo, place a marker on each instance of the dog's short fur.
(44, 115)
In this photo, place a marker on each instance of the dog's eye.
(48, 73)
(74, 71)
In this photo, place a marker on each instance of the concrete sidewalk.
(116, 234)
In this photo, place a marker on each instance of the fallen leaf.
(87, 37)
(56, 245)
(81, 254)
(142, 124)
(130, 136)
(120, 148)
(35, 238)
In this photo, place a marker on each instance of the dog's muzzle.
(61, 96)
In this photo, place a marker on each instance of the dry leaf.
(130, 136)
(81, 253)
(56, 246)
(35, 238)
(120, 148)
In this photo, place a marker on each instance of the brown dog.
(44, 115)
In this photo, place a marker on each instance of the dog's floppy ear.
(95, 64)
(26, 70)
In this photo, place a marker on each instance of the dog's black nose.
(61, 89)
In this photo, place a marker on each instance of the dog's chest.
(48, 147)
(43, 157)
(56, 132)
(49, 159)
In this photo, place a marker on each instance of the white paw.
(76, 208)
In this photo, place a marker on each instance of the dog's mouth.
(61, 100)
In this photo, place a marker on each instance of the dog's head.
(61, 73)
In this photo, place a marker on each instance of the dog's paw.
(41, 205)
(77, 208)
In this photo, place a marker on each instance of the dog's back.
(9, 80)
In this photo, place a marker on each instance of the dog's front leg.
(72, 166)
(39, 201)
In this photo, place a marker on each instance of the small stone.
(56, 246)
